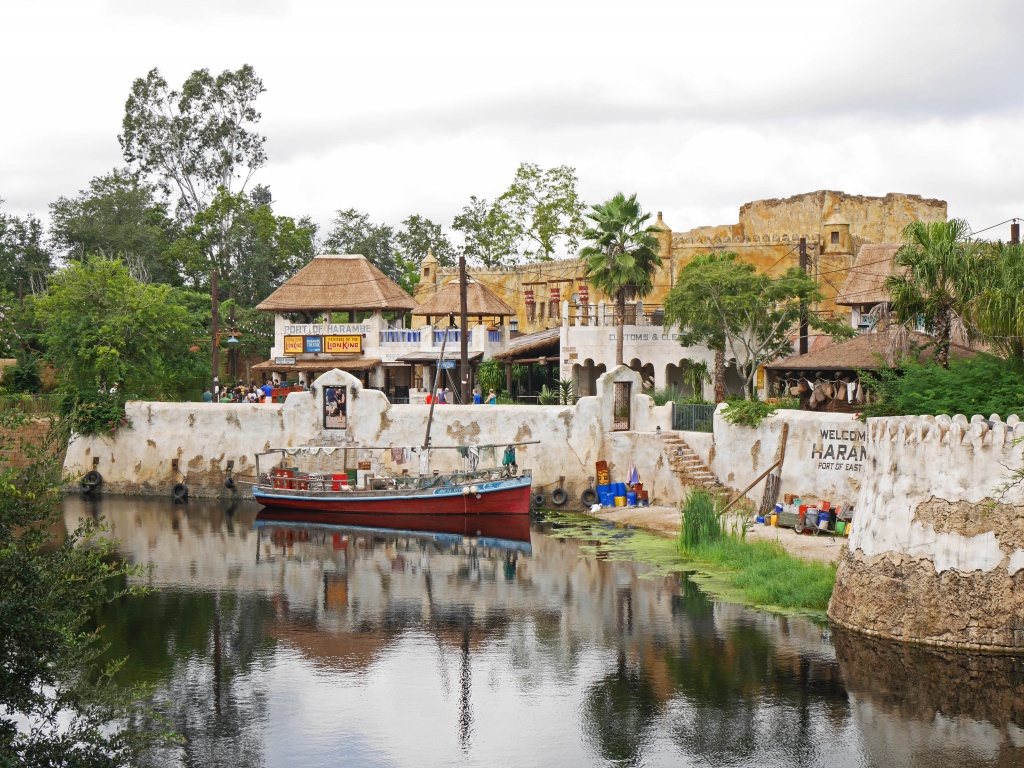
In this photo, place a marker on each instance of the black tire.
(91, 481)
(799, 526)
(229, 482)
(559, 497)
(538, 500)
(589, 497)
(180, 492)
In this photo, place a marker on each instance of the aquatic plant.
(700, 520)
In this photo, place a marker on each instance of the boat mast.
(433, 391)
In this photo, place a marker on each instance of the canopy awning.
(426, 358)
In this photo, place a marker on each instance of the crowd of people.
(444, 396)
(242, 393)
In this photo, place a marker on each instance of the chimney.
(1015, 232)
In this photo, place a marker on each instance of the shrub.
(23, 376)
(94, 413)
(547, 396)
(984, 384)
(748, 413)
(490, 374)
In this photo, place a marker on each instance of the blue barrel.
(604, 489)
(607, 498)
(620, 489)
(823, 519)
(630, 498)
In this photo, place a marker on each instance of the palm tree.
(937, 274)
(999, 310)
(623, 256)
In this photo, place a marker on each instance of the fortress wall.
(936, 555)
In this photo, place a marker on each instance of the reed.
(701, 522)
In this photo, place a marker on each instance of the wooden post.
(464, 334)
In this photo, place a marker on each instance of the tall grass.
(701, 523)
(760, 573)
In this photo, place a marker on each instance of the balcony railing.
(494, 337)
(400, 336)
(454, 335)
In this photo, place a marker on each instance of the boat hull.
(499, 509)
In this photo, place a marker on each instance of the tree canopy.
(23, 253)
(545, 210)
(196, 140)
(103, 327)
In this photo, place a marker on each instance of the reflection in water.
(292, 645)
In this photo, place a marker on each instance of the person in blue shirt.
(207, 396)
(477, 400)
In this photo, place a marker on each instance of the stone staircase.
(687, 465)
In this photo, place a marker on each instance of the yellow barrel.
(620, 501)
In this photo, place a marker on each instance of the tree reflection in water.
(321, 646)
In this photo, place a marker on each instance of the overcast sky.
(411, 107)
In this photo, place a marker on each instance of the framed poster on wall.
(314, 345)
(293, 345)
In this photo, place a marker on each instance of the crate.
(788, 519)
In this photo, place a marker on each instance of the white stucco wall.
(917, 458)
(818, 463)
(204, 437)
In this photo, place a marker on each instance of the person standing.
(492, 399)
(440, 397)
(477, 399)
(207, 396)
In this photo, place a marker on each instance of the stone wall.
(936, 555)
(203, 438)
(825, 454)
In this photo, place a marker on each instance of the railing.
(399, 336)
(494, 337)
(31, 405)
(692, 417)
(596, 315)
(454, 335)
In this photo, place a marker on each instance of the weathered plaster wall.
(937, 549)
(204, 437)
(823, 454)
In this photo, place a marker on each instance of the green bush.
(700, 520)
(23, 376)
(547, 396)
(490, 374)
(94, 413)
(748, 413)
(984, 384)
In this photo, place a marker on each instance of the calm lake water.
(275, 645)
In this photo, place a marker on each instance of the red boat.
(489, 502)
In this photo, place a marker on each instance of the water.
(313, 646)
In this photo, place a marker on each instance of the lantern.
(529, 297)
(556, 294)
(584, 293)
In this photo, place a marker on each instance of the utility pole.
(1015, 232)
(464, 335)
(803, 304)
(21, 292)
(215, 335)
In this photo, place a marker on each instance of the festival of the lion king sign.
(841, 450)
(350, 344)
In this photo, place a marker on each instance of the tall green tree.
(24, 257)
(623, 255)
(119, 214)
(725, 303)
(491, 235)
(197, 140)
(938, 272)
(102, 326)
(252, 249)
(59, 704)
(352, 231)
(418, 235)
(545, 208)
(693, 304)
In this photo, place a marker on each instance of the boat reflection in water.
(510, 527)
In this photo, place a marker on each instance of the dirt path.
(665, 521)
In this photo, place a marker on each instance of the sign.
(364, 466)
(326, 329)
(447, 365)
(760, 377)
(293, 345)
(841, 449)
(313, 344)
(284, 361)
(344, 345)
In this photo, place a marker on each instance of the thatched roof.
(320, 366)
(546, 343)
(867, 352)
(865, 283)
(335, 281)
(480, 302)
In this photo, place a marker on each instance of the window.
(426, 271)
(835, 238)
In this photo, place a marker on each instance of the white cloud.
(397, 107)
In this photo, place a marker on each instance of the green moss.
(756, 573)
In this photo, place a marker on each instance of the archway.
(646, 371)
(586, 376)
